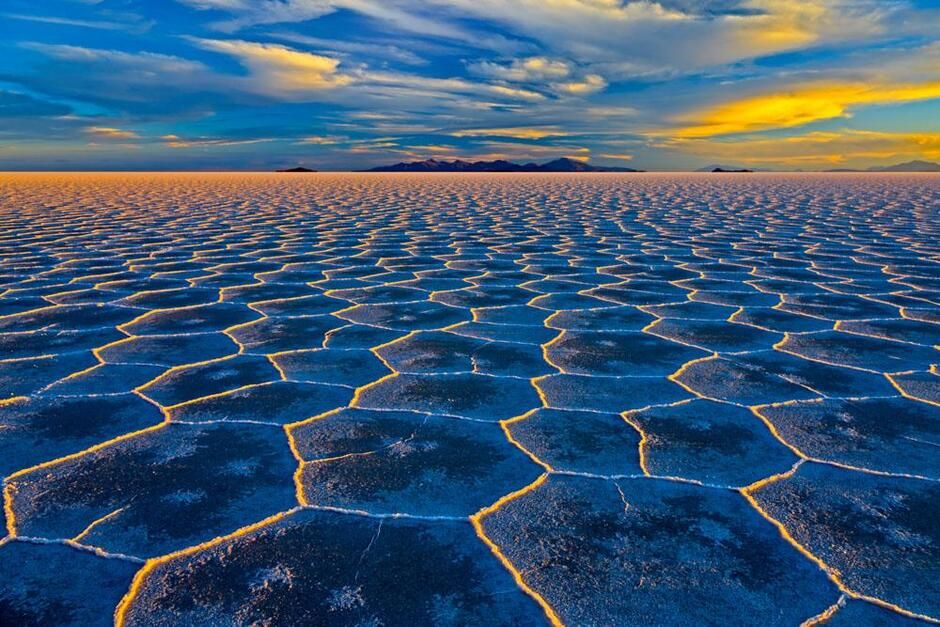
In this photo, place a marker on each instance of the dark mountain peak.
(427, 165)
(297, 169)
(723, 167)
(499, 165)
(723, 170)
(566, 164)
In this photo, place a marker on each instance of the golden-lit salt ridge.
(600, 294)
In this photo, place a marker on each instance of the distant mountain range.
(574, 165)
(558, 165)
(910, 166)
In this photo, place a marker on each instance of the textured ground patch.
(47, 584)
(315, 567)
(710, 442)
(580, 441)
(880, 533)
(398, 462)
(161, 491)
(702, 556)
(888, 435)
(475, 396)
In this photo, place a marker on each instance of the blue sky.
(348, 84)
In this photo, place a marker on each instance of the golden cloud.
(321, 140)
(279, 69)
(588, 85)
(109, 132)
(798, 106)
(780, 24)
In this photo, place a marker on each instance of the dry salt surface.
(469, 399)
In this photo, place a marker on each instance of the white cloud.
(528, 70)
(175, 141)
(333, 46)
(131, 25)
(398, 83)
(144, 78)
(279, 70)
(515, 132)
(118, 59)
(398, 15)
(553, 75)
(252, 12)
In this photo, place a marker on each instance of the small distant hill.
(558, 165)
(723, 170)
(718, 167)
(910, 166)
(298, 169)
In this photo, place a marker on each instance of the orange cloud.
(799, 106)
(109, 132)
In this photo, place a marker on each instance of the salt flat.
(469, 399)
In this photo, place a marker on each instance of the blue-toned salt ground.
(642, 399)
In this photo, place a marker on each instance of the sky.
(350, 84)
